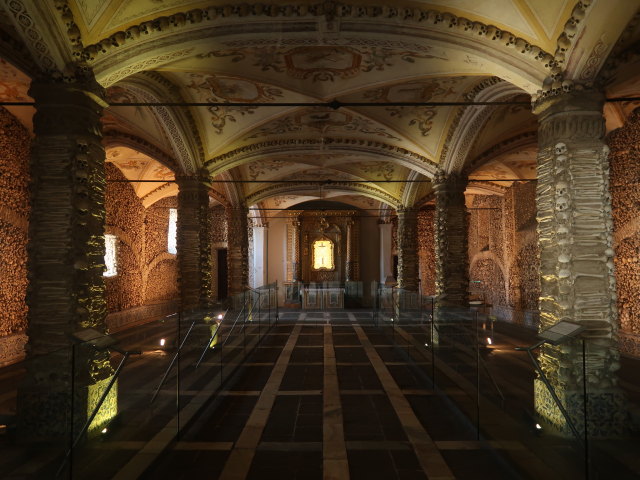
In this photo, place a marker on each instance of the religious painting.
(322, 251)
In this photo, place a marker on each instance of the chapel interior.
(319, 239)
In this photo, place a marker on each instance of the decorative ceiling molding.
(302, 188)
(233, 197)
(163, 191)
(176, 125)
(173, 94)
(251, 153)
(463, 135)
(114, 138)
(624, 52)
(43, 27)
(487, 188)
(390, 19)
(387, 212)
(410, 189)
(518, 142)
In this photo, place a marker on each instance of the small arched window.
(172, 243)
(110, 255)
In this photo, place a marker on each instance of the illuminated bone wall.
(624, 159)
(145, 286)
(503, 253)
(426, 251)
(14, 218)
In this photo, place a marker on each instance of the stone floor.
(332, 396)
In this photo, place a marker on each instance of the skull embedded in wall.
(562, 189)
(560, 149)
(562, 204)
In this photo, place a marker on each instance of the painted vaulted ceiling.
(369, 56)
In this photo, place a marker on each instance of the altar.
(318, 297)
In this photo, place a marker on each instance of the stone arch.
(378, 150)
(470, 121)
(304, 187)
(178, 125)
(177, 35)
(487, 268)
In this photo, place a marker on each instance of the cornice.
(329, 11)
(279, 189)
(232, 158)
(556, 83)
(113, 138)
(525, 139)
(622, 53)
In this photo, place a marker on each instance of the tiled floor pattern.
(332, 396)
(333, 399)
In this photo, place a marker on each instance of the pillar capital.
(571, 118)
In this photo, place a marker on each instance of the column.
(386, 263)
(238, 249)
(576, 262)
(452, 255)
(66, 262)
(408, 248)
(259, 256)
(295, 250)
(194, 242)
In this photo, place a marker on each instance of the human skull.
(567, 86)
(562, 203)
(560, 149)
(561, 188)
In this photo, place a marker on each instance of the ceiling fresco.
(308, 52)
(138, 166)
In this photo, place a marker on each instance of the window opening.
(172, 243)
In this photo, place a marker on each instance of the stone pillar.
(452, 255)
(295, 250)
(576, 262)
(408, 248)
(238, 249)
(66, 262)
(352, 253)
(386, 263)
(259, 256)
(194, 242)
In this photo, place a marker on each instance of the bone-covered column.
(353, 252)
(194, 241)
(408, 248)
(452, 255)
(238, 249)
(66, 262)
(576, 262)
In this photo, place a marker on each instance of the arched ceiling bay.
(157, 180)
(309, 52)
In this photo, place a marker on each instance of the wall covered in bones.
(503, 252)
(146, 272)
(14, 217)
(625, 197)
